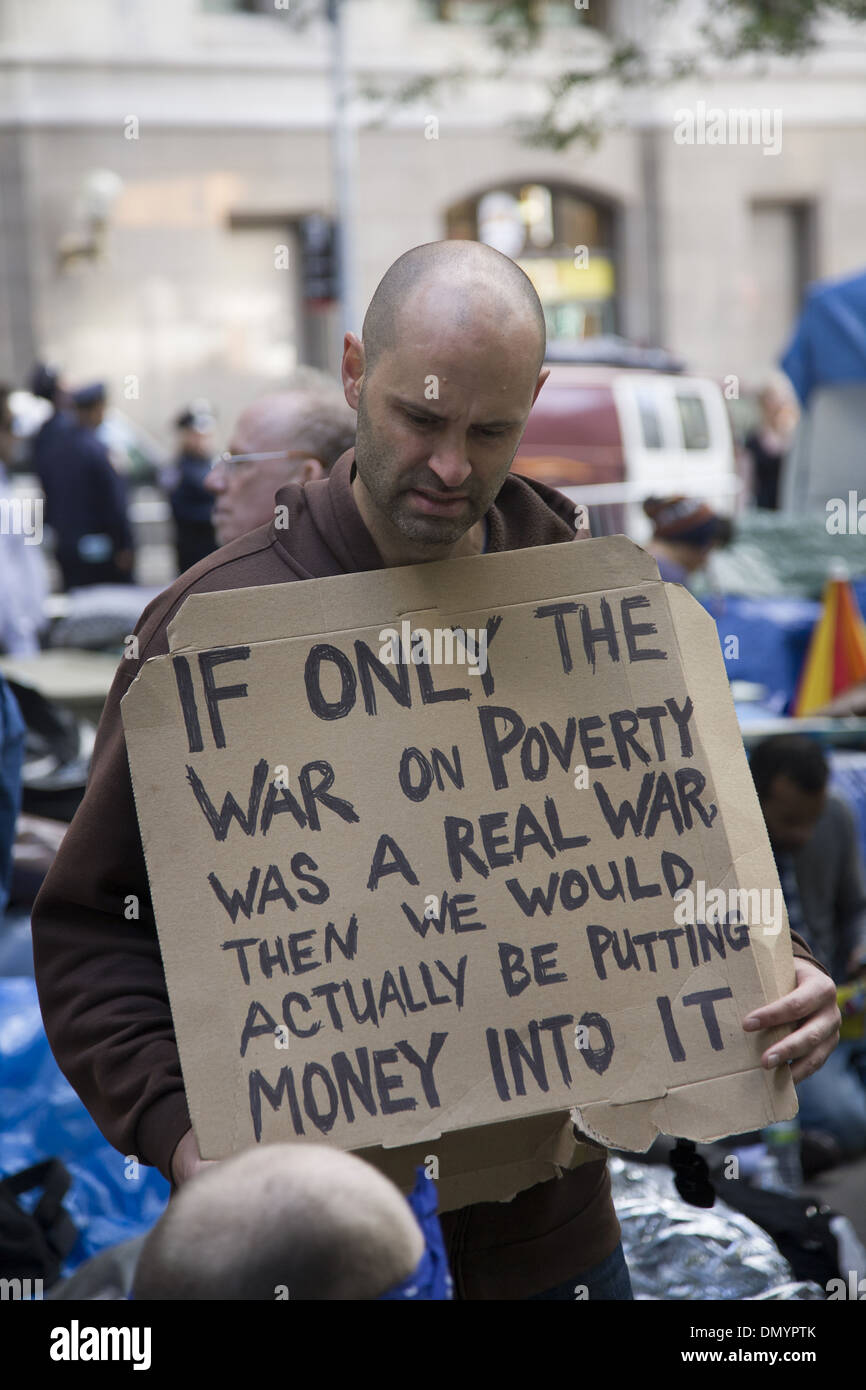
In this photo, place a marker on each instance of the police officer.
(191, 502)
(45, 382)
(86, 499)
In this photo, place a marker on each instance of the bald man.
(442, 379)
(290, 436)
(288, 1221)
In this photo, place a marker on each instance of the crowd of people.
(292, 435)
(385, 499)
(295, 434)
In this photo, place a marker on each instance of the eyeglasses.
(231, 462)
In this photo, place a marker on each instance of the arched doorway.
(563, 238)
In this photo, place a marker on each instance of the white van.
(610, 437)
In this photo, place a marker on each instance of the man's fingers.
(812, 1004)
(818, 1035)
(814, 991)
(806, 999)
(805, 1066)
(186, 1161)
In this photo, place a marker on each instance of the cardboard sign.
(431, 892)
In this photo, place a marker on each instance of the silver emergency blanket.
(677, 1251)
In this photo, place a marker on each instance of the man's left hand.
(813, 1005)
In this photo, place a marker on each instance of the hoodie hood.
(322, 533)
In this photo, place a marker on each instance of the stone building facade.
(158, 159)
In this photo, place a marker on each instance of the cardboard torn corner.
(691, 1111)
(489, 1163)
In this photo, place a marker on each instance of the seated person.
(296, 1221)
(685, 532)
(814, 840)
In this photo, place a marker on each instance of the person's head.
(790, 774)
(90, 402)
(45, 382)
(302, 432)
(778, 403)
(195, 430)
(7, 441)
(443, 379)
(296, 1221)
(686, 529)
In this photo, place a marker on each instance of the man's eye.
(490, 433)
(423, 421)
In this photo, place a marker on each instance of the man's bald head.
(443, 382)
(469, 278)
(310, 417)
(317, 1222)
(305, 428)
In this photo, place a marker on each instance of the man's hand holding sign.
(812, 1006)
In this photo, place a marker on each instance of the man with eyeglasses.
(290, 436)
(443, 379)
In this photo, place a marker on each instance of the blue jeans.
(609, 1280)
(834, 1099)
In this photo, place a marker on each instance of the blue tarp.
(772, 637)
(42, 1117)
(829, 342)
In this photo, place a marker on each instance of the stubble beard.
(377, 464)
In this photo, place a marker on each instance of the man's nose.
(450, 464)
(215, 479)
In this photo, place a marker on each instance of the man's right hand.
(186, 1161)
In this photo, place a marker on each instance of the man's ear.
(311, 469)
(352, 368)
(542, 377)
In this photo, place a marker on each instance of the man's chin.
(435, 530)
(421, 532)
(225, 529)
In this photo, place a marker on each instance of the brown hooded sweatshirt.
(100, 976)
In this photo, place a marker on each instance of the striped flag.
(836, 658)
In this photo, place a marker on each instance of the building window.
(562, 239)
(780, 264)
